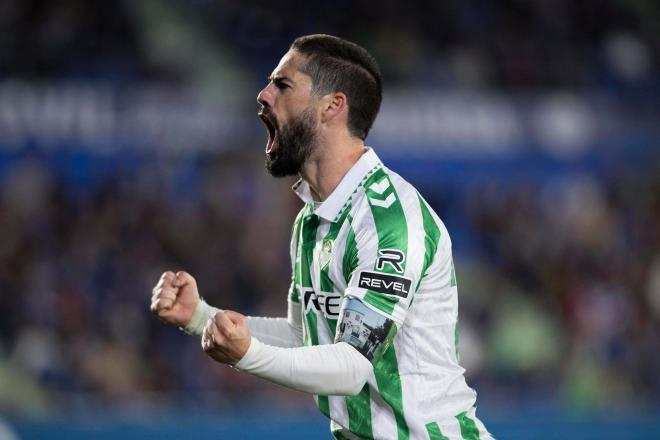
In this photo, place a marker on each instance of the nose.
(265, 97)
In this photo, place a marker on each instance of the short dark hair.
(337, 65)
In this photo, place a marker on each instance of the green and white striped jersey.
(375, 239)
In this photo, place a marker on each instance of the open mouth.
(271, 126)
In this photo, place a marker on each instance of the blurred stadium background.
(129, 144)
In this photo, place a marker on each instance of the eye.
(280, 83)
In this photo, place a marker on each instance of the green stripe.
(293, 291)
(338, 435)
(390, 222)
(310, 317)
(392, 231)
(310, 223)
(297, 270)
(294, 295)
(434, 432)
(332, 323)
(295, 230)
(359, 413)
(382, 302)
(350, 260)
(326, 283)
(469, 430)
(329, 240)
(431, 237)
(389, 385)
(452, 282)
(306, 248)
(358, 407)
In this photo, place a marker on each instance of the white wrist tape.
(200, 316)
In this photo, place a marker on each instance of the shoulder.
(386, 195)
(391, 206)
(299, 217)
(385, 205)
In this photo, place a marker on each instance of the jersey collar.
(334, 205)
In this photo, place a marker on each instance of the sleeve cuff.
(251, 357)
(202, 313)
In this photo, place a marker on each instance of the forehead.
(289, 66)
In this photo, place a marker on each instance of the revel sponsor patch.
(384, 283)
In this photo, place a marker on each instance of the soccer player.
(372, 317)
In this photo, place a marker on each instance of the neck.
(324, 170)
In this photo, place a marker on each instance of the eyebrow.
(278, 78)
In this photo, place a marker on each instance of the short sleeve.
(390, 250)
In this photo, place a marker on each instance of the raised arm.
(175, 300)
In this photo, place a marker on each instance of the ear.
(334, 105)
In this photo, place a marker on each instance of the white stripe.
(431, 287)
(415, 223)
(383, 423)
(293, 248)
(366, 222)
(451, 428)
(336, 267)
(338, 410)
(381, 186)
(315, 271)
(383, 203)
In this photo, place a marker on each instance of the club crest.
(324, 253)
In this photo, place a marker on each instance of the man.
(372, 309)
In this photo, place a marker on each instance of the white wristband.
(200, 316)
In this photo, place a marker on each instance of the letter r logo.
(393, 257)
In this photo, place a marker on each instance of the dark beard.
(295, 143)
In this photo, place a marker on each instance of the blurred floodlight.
(627, 56)
(564, 125)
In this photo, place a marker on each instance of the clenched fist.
(175, 298)
(226, 337)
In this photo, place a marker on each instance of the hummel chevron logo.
(381, 186)
(383, 203)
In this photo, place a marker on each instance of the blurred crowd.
(564, 296)
(560, 293)
(509, 44)
(560, 303)
(77, 272)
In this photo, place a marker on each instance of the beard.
(295, 143)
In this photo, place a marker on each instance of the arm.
(176, 300)
(333, 369)
(280, 332)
